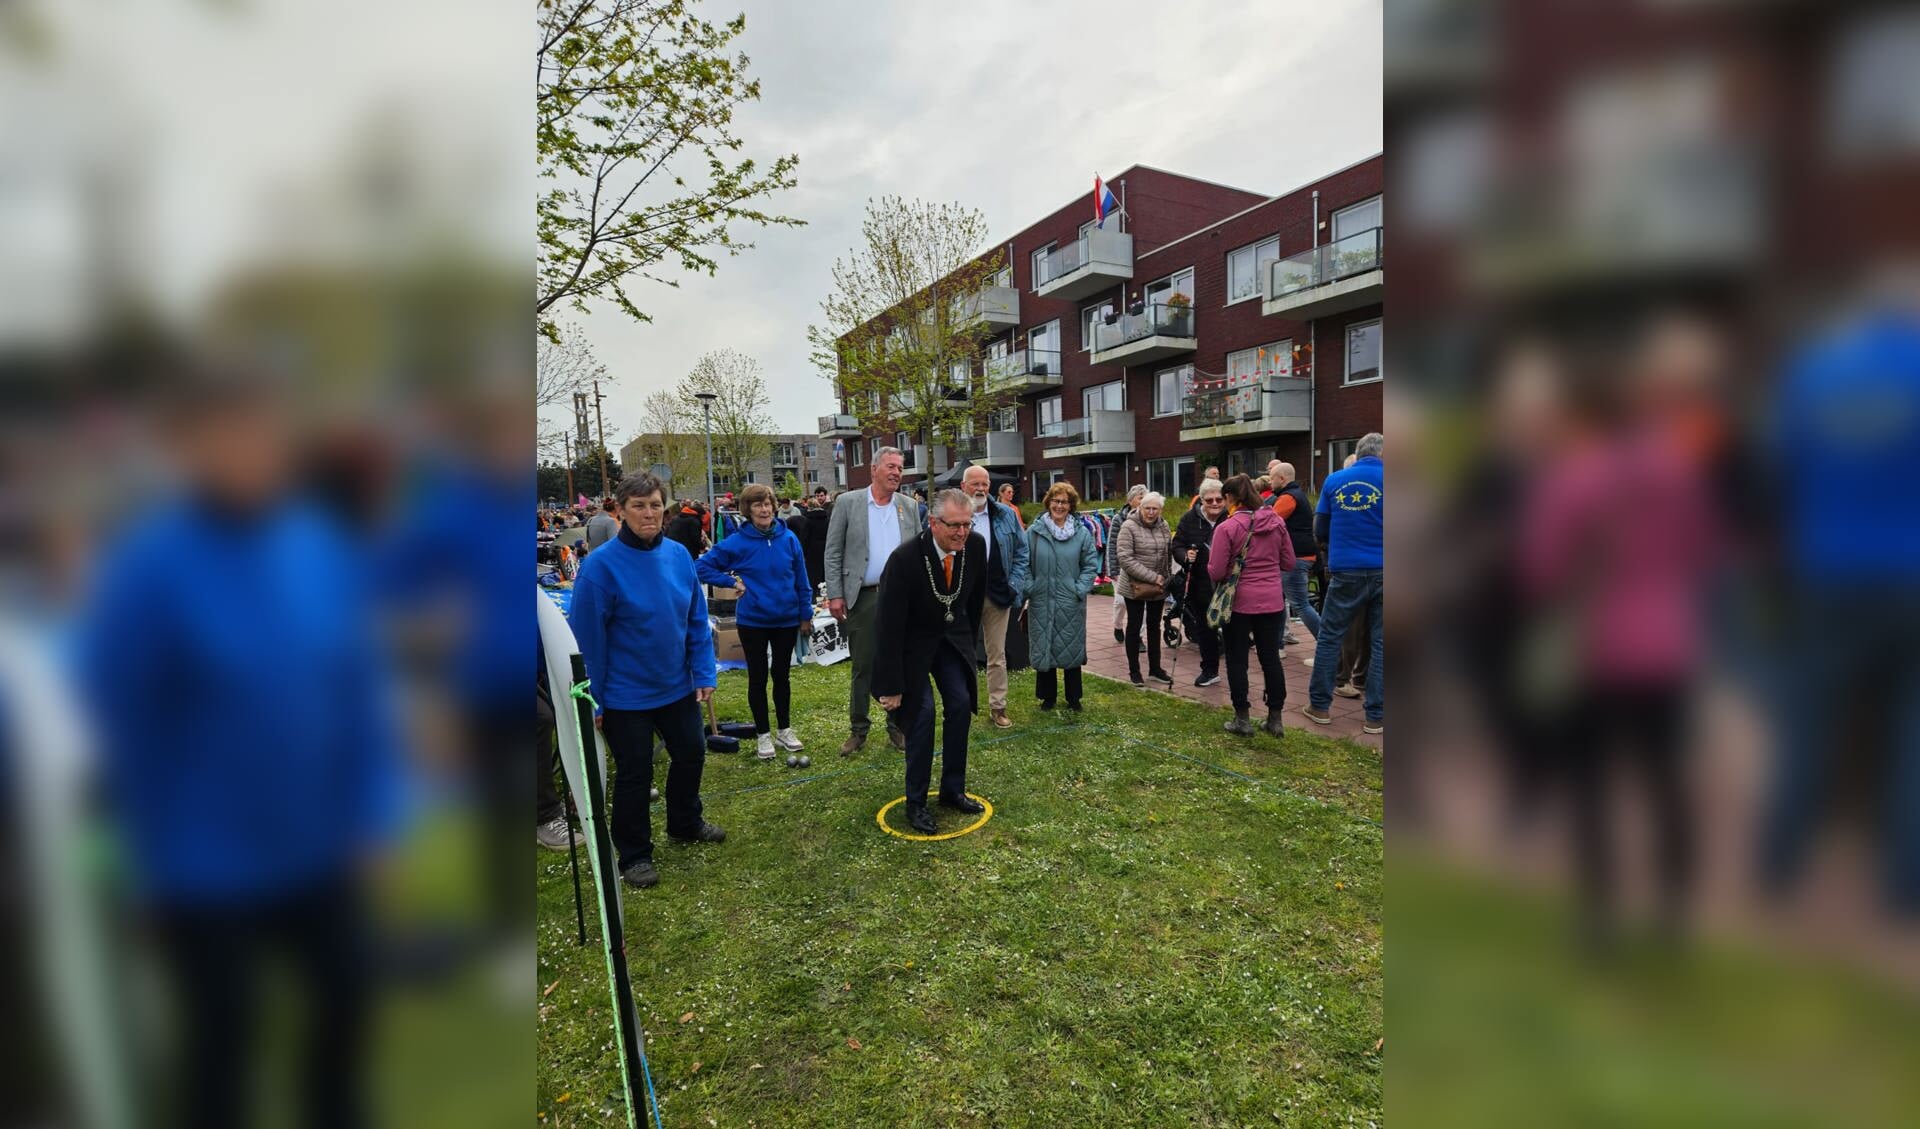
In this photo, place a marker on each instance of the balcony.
(839, 427)
(1024, 370)
(1102, 433)
(997, 308)
(1159, 331)
(1086, 266)
(993, 448)
(1277, 406)
(1343, 275)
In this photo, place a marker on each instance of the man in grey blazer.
(866, 527)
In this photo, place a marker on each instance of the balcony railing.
(1251, 402)
(1090, 263)
(1104, 432)
(1024, 366)
(1358, 253)
(1161, 319)
(839, 425)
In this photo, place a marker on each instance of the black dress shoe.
(1160, 676)
(963, 803)
(921, 820)
(641, 874)
(708, 833)
(898, 736)
(1047, 705)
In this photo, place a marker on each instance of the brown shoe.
(852, 744)
(898, 736)
(1001, 721)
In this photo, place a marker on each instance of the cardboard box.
(726, 641)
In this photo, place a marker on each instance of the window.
(1169, 388)
(1090, 317)
(1363, 352)
(783, 454)
(1337, 452)
(1099, 482)
(859, 453)
(1363, 216)
(1246, 266)
(812, 450)
(1005, 277)
(813, 478)
(1172, 477)
(1250, 461)
(1045, 478)
(1043, 348)
(1108, 397)
(960, 375)
(874, 444)
(1260, 365)
(1178, 283)
(751, 479)
(1047, 414)
(1040, 275)
(1004, 419)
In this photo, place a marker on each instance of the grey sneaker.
(556, 835)
(641, 875)
(1241, 725)
(1348, 690)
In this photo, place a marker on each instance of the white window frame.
(1106, 470)
(750, 479)
(1050, 330)
(1146, 292)
(1346, 355)
(1006, 418)
(1194, 473)
(1333, 226)
(1086, 321)
(1254, 250)
(1040, 420)
(783, 454)
(1160, 476)
(813, 478)
(1087, 409)
(859, 450)
(1033, 266)
(1179, 389)
(1337, 452)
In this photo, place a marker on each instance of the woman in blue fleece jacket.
(640, 620)
(767, 563)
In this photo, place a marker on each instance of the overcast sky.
(1008, 106)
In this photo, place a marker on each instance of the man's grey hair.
(884, 452)
(952, 497)
(1137, 490)
(1209, 486)
(1370, 446)
(984, 473)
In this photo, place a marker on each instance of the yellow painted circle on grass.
(976, 825)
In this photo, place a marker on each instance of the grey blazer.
(847, 548)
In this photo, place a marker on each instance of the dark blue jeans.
(1350, 591)
(1295, 586)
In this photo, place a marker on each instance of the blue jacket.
(640, 618)
(774, 565)
(1353, 502)
(244, 711)
(1010, 546)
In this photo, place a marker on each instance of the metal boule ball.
(793, 761)
(805, 761)
(654, 793)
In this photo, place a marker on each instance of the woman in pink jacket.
(1260, 602)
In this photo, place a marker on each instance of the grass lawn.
(1161, 925)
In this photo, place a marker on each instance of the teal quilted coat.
(1060, 575)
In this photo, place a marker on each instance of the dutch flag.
(1103, 202)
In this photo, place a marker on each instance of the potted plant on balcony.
(1179, 316)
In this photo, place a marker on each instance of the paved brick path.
(1109, 660)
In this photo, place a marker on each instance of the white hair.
(951, 497)
(884, 452)
(1136, 491)
(1210, 486)
(1371, 445)
(1153, 498)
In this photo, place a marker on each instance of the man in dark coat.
(931, 596)
(685, 528)
(1192, 543)
(811, 527)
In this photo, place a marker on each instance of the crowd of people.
(920, 587)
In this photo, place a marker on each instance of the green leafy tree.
(789, 488)
(903, 325)
(634, 129)
(742, 427)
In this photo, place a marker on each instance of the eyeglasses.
(951, 524)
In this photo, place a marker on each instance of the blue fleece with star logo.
(1354, 503)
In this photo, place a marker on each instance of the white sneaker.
(763, 747)
(1307, 662)
(787, 740)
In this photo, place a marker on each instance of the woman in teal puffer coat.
(1062, 565)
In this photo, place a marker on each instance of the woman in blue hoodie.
(766, 564)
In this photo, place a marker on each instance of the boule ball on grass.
(654, 793)
(805, 761)
(793, 761)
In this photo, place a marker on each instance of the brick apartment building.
(1208, 325)
(806, 457)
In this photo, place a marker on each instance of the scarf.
(1062, 531)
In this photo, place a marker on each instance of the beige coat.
(1145, 554)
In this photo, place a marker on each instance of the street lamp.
(706, 415)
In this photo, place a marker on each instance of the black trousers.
(546, 793)
(1263, 629)
(1644, 728)
(1043, 685)
(953, 674)
(215, 955)
(1148, 610)
(756, 641)
(630, 739)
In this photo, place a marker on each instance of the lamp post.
(706, 415)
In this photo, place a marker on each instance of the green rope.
(580, 691)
